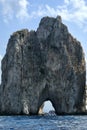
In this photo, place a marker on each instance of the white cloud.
(14, 9)
(23, 10)
(72, 10)
(0, 67)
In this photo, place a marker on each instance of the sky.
(21, 14)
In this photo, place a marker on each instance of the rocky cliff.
(47, 64)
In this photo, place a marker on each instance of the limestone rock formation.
(47, 64)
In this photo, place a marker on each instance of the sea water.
(43, 122)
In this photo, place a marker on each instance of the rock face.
(44, 65)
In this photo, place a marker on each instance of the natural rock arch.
(46, 108)
(44, 65)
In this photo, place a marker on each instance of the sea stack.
(47, 64)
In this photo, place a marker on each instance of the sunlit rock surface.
(47, 64)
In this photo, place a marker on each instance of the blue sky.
(18, 14)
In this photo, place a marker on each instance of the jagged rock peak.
(49, 24)
(59, 18)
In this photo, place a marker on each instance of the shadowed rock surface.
(44, 65)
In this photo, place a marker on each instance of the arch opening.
(47, 108)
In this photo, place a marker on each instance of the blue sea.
(43, 122)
